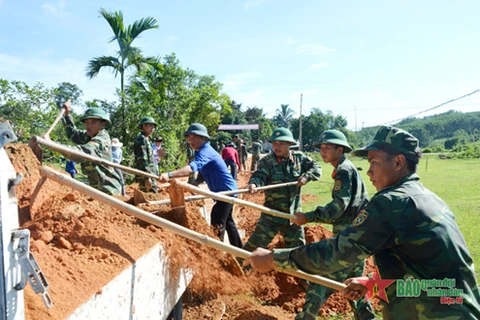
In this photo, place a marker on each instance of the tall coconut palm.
(284, 116)
(127, 55)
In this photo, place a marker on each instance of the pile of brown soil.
(82, 244)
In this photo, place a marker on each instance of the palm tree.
(284, 116)
(127, 54)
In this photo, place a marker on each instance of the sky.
(372, 62)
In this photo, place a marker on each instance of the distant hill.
(429, 130)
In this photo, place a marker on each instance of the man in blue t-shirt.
(215, 173)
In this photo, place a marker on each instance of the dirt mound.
(81, 244)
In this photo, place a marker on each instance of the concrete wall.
(144, 291)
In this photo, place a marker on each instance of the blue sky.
(384, 59)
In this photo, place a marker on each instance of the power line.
(430, 109)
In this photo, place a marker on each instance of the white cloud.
(6, 61)
(313, 49)
(55, 9)
(51, 72)
(320, 65)
(467, 90)
(253, 3)
(250, 98)
(375, 94)
(170, 42)
(236, 81)
(311, 92)
(291, 41)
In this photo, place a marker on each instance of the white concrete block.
(144, 291)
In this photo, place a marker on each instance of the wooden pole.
(60, 115)
(195, 198)
(70, 152)
(224, 198)
(173, 227)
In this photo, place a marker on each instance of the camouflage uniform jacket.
(349, 196)
(410, 232)
(144, 158)
(274, 170)
(101, 177)
(256, 148)
(244, 153)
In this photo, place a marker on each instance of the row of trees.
(176, 97)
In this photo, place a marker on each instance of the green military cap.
(198, 129)
(333, 137)
(393, 140)
(282, 134)
(94, 113)
(146, 120)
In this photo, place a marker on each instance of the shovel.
(32, 143)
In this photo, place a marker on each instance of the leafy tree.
(317, 122)
(284, 116)
(29, 108)
(175, 97)
(65, 91)
(255, 115)
(127, 55)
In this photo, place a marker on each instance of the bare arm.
(182, 172)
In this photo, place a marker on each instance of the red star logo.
(376, 286)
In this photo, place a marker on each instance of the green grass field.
(455, 181)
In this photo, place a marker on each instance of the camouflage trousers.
(255, 160)
(267, 229)
(141, 184)
(244, 163)
(122, 181)
(317, 295)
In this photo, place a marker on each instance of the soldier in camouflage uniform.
(244, 155)
(349, 196)
(409, 230)
(93, 141)
(256, 148)
(280, 167)
(238, 146)
(144, 157)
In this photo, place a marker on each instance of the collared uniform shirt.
(349, 195)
